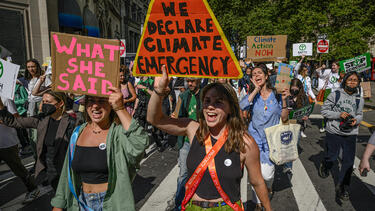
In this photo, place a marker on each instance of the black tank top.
(91, 164)
(228, 168)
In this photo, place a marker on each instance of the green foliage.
(349, 24)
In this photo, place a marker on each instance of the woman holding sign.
(102, 158)
(266, 109)
(220, 139)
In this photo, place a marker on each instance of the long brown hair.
(39, 70)
(235, 124)
(301, 94)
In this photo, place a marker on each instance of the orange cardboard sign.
(84, 65)
(186, 37)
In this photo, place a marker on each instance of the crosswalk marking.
(304, 191)
(164, 193)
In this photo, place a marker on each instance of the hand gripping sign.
(84, 65)
(186, 37)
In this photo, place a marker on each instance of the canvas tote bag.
(282, 141)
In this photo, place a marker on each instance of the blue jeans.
(182, 177)
(92, 200)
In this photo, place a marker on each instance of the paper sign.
(84, 65)
(300, 113)
(366, 86)
(359, 64)
(300, 49)
(186, 37)
(283, 77)
(8, 78)
(266, 48)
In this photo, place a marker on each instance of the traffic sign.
(322, 36)
(323, 46)
(122, 48)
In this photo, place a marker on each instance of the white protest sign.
(8, 78)
(300, 49)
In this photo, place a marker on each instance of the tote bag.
(282, 141)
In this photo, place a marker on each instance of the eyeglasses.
(352, 80)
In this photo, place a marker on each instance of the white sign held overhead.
(8, 78)
(300, 49)
(123, 48)
(323, 46)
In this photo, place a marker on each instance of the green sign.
(359, 64)
(1, 69)
(300, 113)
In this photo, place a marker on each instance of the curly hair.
(235, 124)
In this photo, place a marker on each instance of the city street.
(156, 182)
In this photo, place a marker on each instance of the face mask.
(350, 89)
(294, 92)
(48, 109)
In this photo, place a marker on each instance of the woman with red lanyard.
(220, 147)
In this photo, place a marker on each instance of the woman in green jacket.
(102, 159)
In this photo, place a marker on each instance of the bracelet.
(161, 94)
(119, 108)
(284, 107)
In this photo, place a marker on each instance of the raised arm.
(116, 101)
(177, 127)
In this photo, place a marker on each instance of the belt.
(207, 204)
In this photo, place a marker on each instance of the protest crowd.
(175, 114)
(88, 121)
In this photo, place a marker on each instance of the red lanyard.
(209, 161)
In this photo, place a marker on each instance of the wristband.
(119, 108)
(161, 94)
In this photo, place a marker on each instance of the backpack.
(357, 99)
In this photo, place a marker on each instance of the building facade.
(29, 23)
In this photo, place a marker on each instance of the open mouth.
(97, 114)
(211, 116)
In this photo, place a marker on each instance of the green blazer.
(125, 150)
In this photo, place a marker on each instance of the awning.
(70, 14)
(90, 23)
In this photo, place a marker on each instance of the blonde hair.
(235, 124)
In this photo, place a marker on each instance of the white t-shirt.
(9, 136)
(332, 78)
(32, 83)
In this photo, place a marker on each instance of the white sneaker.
(322, 130)
(303, 135)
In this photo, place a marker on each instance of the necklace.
(96, 132)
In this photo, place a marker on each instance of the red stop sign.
(323, 46)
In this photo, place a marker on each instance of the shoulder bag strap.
(71, 148)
